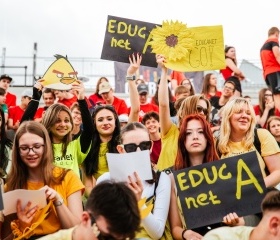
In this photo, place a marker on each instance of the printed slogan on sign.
(210, 191)
(124, 37)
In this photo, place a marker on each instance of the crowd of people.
(61, 146)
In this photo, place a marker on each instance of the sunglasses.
(132, 147)
(202, 109)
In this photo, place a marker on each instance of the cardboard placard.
(124, 37)
(210, 191)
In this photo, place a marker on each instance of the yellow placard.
(207, 52)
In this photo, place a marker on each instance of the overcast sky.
(77, 28)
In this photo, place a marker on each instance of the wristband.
(58, 202)
(130, 78)
(183, 234)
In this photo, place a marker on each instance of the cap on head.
(27, 93)
(123, 118)
(142, 88)
(5, 76)
(104, 87)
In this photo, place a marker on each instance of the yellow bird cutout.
(60, 74)
(144, 212)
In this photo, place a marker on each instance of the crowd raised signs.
(210, 191)
(124, 37)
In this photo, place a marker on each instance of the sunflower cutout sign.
(60, 74)
(189, 49)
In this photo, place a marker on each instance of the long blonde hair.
(229, 109)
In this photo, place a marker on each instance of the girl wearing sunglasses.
(135, 137)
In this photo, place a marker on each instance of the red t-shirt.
(144, 108)
(179, 76)
(11, 99)
(155, 151)
(227, 72)
(39, 113)
(120, 106)
(96, 99)
(68, 102)
(217, 94)
(258, 112)
(269, 62)
(15, 113)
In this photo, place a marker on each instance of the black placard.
(233, 184)
(124, 37)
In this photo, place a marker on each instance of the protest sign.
(210, 191)
(124, 37)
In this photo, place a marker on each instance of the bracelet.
(183, 234)
(130, 78)
(34, 100)
(58, 202)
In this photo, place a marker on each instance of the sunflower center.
(171, 40)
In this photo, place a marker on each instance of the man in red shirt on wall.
(270, 58)
(5, 81)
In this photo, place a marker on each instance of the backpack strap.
(257, 142)
(156, 184)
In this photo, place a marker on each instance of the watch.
(130, 78)
(58, 202)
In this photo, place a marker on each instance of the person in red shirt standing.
(270, 58)
(232, 70)
(5, 81)
(145, 106)
(106, 91)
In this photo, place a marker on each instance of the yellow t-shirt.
(70, 184)
(269, 147)
(102, 160)
(65, 234)
(169, 147)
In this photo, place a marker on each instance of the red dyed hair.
(182, 158)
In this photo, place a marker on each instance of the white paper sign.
(36, 197)
(122, 165)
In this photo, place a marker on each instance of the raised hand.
(78, 89)
(134, 63)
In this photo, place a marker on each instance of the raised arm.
(133, 93)
(163, 100)
(87, 133)
(32, 107)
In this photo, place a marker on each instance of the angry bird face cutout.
(60, 74)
